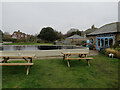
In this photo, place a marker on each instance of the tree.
(77, 32)
(1, 35)
(60, 35)
(72, 32)
(93, 27)
(6, 33)
(32, 38)
(48, 34)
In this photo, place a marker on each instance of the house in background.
(106, 36)
(19, 35)
(75, 39)
(88, 31)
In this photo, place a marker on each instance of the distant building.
(75, 39)
(105, 36)
(19, 35)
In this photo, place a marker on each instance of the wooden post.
(63, 57)
(5, 59)
(88, 62)
(31, 60)
(27, 70)
(79, 56)
(68, 63)
(25, 59)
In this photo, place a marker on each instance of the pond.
(36, 47)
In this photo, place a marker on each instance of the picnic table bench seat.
(28, 60)
(78, 58)
(66, 56)
(16, 64)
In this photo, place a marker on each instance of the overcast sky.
(30, 17)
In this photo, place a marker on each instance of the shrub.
(91, 47)
(102, 51)
(118, 49)
(40, 41)
(83, 42)
(113, 51)
(115, 46)
(10, 40)
(19, 41)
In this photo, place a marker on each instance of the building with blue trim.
(105, 36)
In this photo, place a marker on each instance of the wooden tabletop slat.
(16, 64)
(74, 53)
(77, 58)
(16, 57)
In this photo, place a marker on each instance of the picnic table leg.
(31, 60)
(25, 59)
(27, 70)
(5, 59)
(79, 56)
(68, 62)
(63, 57)
(88, 62)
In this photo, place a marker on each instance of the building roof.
(108, 28)
(18, 33)
(75, 37)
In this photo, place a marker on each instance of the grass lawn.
(53, 73)
(27, 44)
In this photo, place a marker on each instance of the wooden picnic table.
(66, 56)
(28, 60)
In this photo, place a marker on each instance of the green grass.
(53, 73)
(27, 44)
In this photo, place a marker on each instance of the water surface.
(35, 47)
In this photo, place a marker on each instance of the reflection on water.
(13, 48)
(34, 47)
(19, 48)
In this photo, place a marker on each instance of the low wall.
(43, 53)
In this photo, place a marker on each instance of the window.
(102, 42)
(98, 42)
(106, 42)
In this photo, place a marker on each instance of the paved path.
(93, 52)
(42, 53)
(47, 54)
